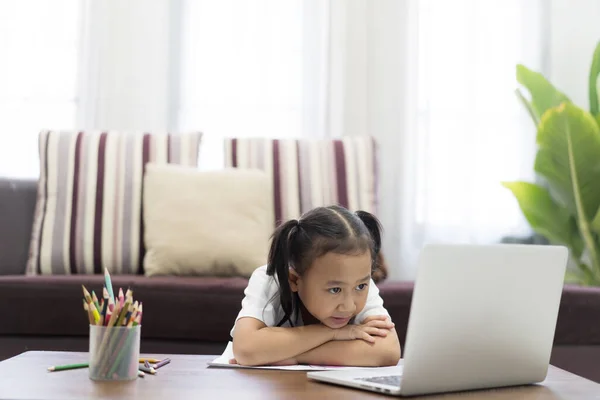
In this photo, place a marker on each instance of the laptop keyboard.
(392, 380)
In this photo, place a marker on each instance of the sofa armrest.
(17, 204)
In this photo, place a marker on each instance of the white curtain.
(468, 133)
(39, 47)
(253, 68)
(126, 62)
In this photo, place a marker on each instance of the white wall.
(574, 31)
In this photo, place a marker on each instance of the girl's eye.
(362, 286)
(335, 290)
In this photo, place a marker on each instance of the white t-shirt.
(263, 288)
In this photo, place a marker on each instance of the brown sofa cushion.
(578, 318)
(204, 309)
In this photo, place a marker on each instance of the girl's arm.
(385, 351)
(256, 344)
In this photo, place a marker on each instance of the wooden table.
(187, 377)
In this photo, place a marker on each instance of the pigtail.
(374, 227)
(279, 262)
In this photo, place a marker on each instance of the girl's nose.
(347, 306)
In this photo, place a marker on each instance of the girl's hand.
(379, 321)
(377, 325)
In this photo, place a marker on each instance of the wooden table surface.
(188, 377)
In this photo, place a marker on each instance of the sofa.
(195, 314)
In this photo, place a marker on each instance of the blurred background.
(432, 80)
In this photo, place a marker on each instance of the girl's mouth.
(340, 320)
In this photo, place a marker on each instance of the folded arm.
(373, 343)
(384, 351)
(256, 344)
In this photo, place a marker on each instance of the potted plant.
(564, 206)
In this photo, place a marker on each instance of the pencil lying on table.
(147, 370)
(162, 363)
(68, 366)
(150, 360)
(86, 365)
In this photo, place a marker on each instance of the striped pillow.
(88, 214)
(311, 173)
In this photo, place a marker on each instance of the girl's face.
(334, 288)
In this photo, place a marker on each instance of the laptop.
(481, 317)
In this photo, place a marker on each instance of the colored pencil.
(109, 311)
(141, 374)
(122, 314)
(89, 314)
(86, 294)
(103, 314)
(150, 360)
(162, 363)
(108, 284)
(147, 370)
(95, 313)
(140, 310)
(127, 317)
(95, 299)
(67, 367)
(133, 314)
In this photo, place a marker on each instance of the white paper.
(223, 362)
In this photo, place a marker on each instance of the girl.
(315, 302)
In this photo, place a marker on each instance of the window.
(472, 133)
(242, 70)
(38, 77)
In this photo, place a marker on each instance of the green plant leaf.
(547, 217)
(568, 157)
(577, 277)
(528, 107)
(593, 81)
(543, 94)
(596, 221)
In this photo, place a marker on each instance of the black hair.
(297, 243)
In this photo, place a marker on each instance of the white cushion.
(210, 223)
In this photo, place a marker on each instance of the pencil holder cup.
(114, 353)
